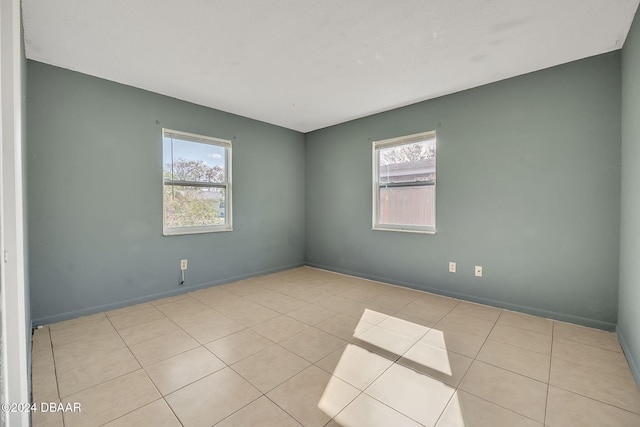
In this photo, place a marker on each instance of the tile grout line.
(285, 411)
(476, 359)
(280, 383)
(578, 393)
(170, 408)
(200, 345)
(379, 401)
(393, 362)
(270, 390)
(569, 338)
(457, 388)
(503, 407)
(511, 370)
(596, 400)
(55, 372)
(244, 406)
(589, 345)
(141, 368)
(546, 405)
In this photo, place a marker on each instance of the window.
(404, 183)
(197, 183)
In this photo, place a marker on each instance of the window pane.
(407, 205)
(193, 161)
(194, 206)
(408, 163)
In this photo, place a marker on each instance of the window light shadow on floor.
(388, 360)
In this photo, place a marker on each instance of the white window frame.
(201, 139)
(394, 142)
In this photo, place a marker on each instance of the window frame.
(395, 142)
(199, 229)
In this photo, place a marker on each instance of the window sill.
(194, 230)
(403, 230)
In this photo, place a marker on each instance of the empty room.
(305, 213)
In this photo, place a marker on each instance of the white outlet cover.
(478, 271)
(452, 267)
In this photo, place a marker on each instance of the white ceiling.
(308, 64)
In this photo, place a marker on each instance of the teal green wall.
(95, 196)
(528, 186)
(629, 311)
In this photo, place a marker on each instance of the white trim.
(375, 158)
(12, 269)
(194, 137)
(403, 140)
(402, 229)
(179, 231)
(202, 139)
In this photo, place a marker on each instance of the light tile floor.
(309, 347)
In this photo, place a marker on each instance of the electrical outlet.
(452, 267)
(478, 271)
(183, 264)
